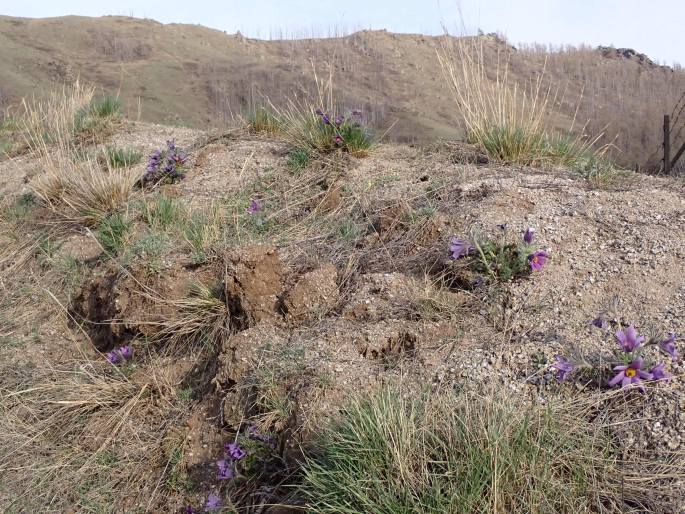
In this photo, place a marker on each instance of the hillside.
(202, 340)
(195, 76)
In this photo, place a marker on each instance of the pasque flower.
(538, 259)
(669, 346)
(659, 373)
(213, 502)
(254, 207)
(529, 236)
(126, 352)
(600, 322)
(564, 368)
(631, 374)
(460, 248)
(235, 452)
(628, 340)
(226, 470)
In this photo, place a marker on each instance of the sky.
(653, 27)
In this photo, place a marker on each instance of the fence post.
(667, 144)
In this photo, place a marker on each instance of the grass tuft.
(508, 120)
(470, 453)
(298, 159)
(264, 121)
(120, 157)
(113, 233)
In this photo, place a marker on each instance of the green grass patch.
(263, 121)
(20, 208)
(298, 159)
(460, 453)
(92, 119)
(113, 233)
(120, 157)
(163, 213)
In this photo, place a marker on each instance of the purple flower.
(669, 346)
(529, 236)
(357, 112)
(629, 340)
(179, 159)
(254, 207)
(338, 139)
(658, 372)
(326, 120)
(235, 452)
(253, 434)
(600, 322)
(319, 112)
(226, 470)
(478, 281)
(189, 510)
(629, 375)
(564, 368)
(126, 352)
(460, 248)
(171, 145)
(537, 260)
(339, 120)
(213, 502)
(113, 357)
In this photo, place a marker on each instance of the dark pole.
(667, 144)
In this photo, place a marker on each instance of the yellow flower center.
(535, 260)
(630, 372)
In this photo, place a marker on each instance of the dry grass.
(83, 192)
(77, 189)
(201, 319)
(70, 429)
(511, 120)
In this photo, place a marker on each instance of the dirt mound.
(254, 283)
(314, 294)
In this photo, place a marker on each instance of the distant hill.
(196, 76)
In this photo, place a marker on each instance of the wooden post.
(667, 144)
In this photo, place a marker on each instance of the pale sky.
(654, 27)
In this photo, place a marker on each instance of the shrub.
(121, 157)
(470, 453)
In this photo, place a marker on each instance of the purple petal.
(529, 235)
(213, 502)
(618, 378)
